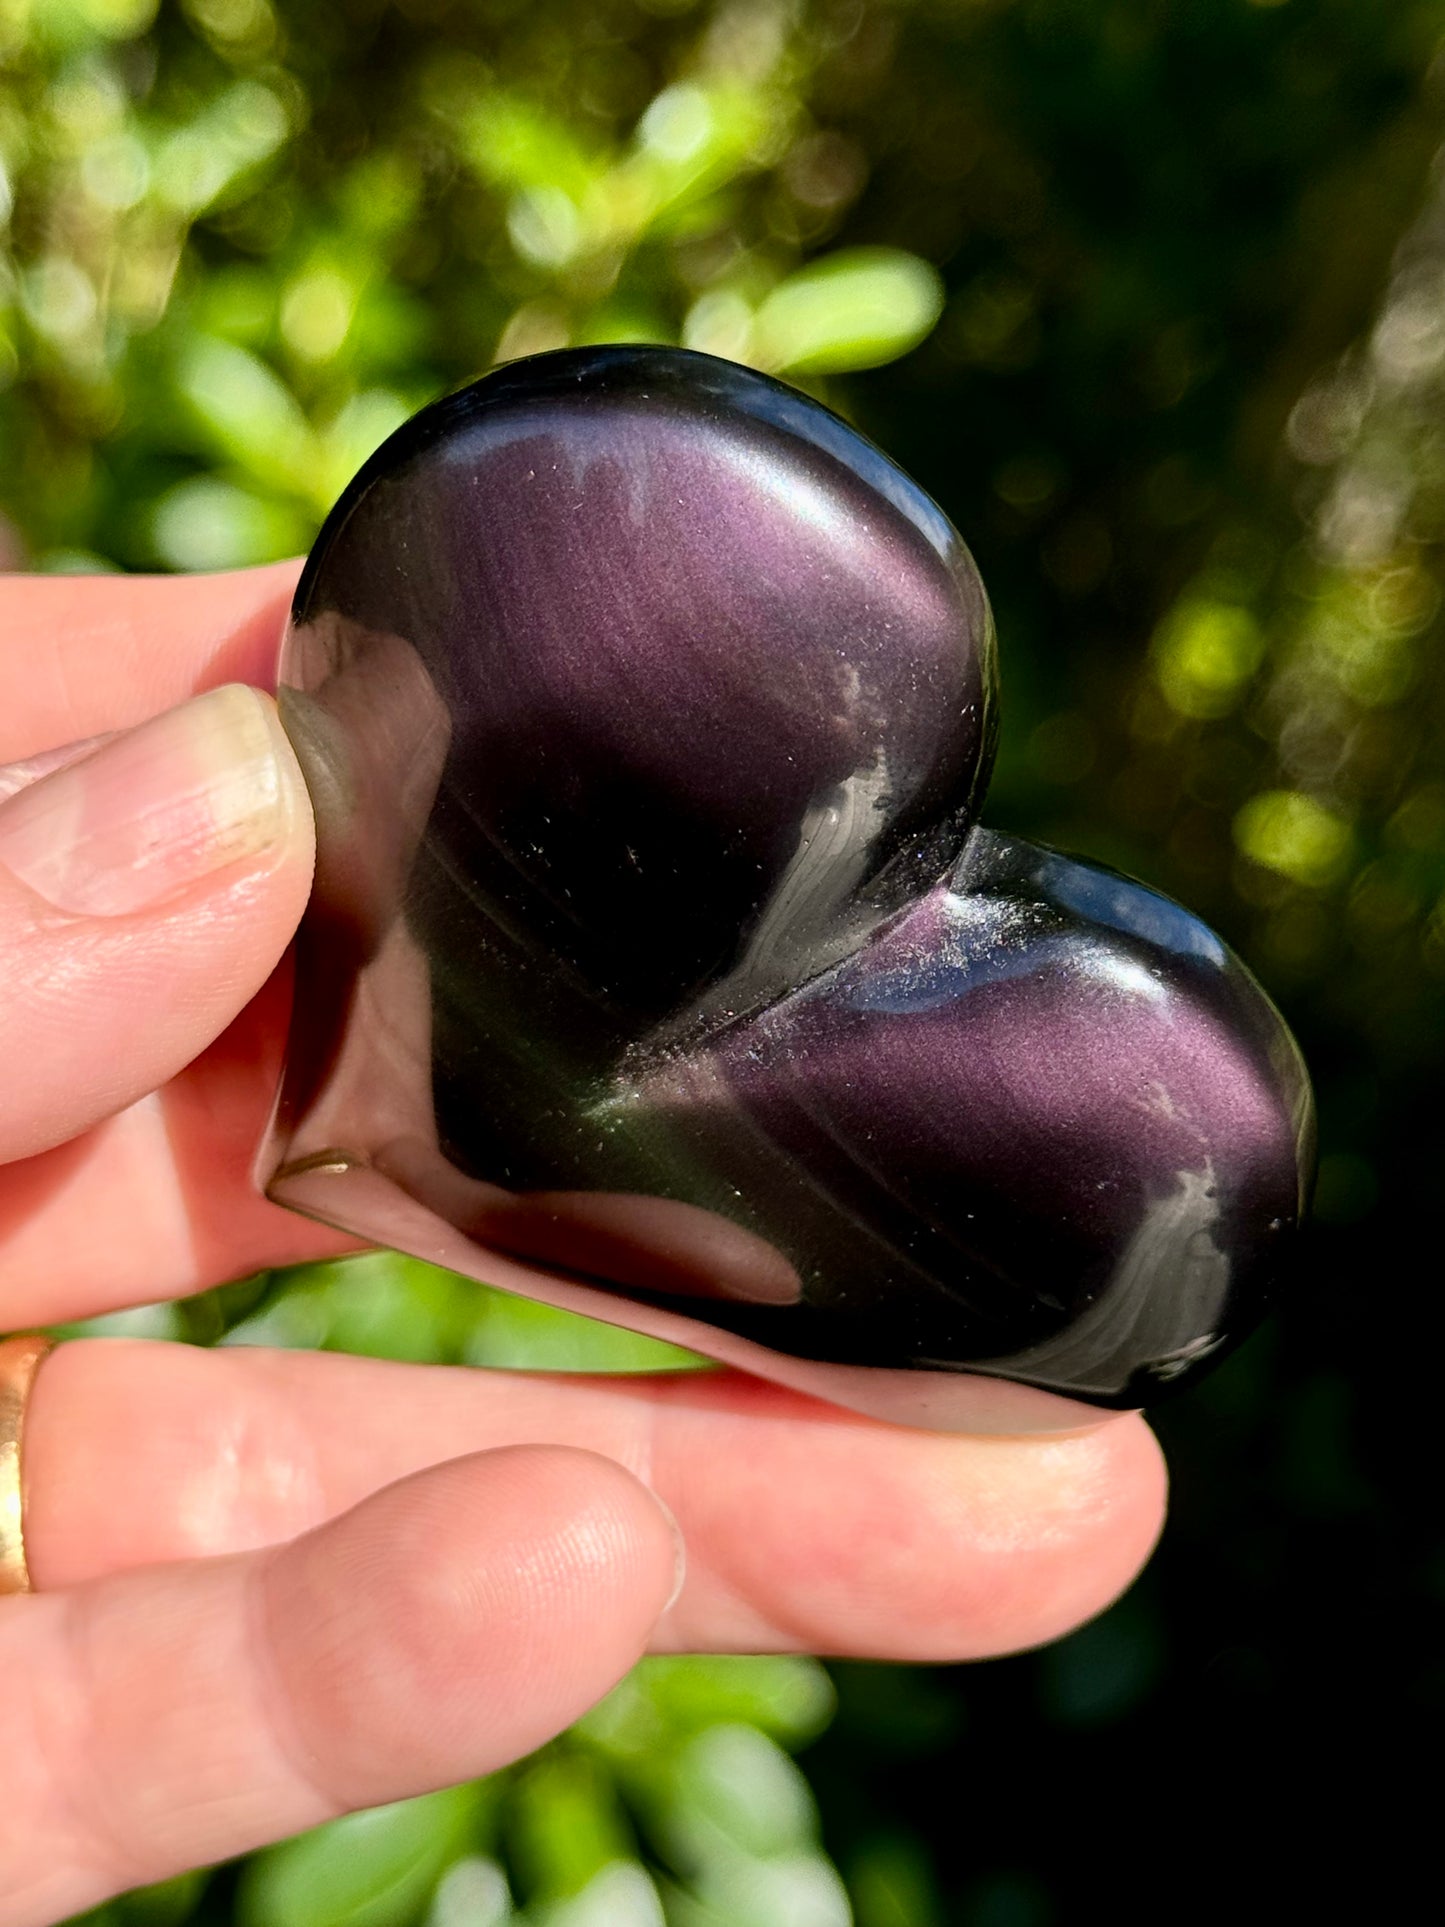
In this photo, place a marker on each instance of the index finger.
(83, 654)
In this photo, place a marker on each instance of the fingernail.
(679, 1568)
(157, 810)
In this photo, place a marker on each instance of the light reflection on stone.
(647, 711)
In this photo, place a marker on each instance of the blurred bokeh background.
(1151, 295)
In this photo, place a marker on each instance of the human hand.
(270, 1587)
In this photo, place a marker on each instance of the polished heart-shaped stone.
(657, 964)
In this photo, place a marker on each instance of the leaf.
(78, 23)
(691, 142)
(565, 1825)
(209, 524)
(165, 1905)
(521, 1334)
(1205, 652)
(199, 164)
(735, 1890)
(512, 143)
(854, 309)
(248, 415)
(1289, 832)
(358, 430)
(791, 1699)
(373, 1869)
(621, 1895)
(735, 1781)
(376, 1304)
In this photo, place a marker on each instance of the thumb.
(448, 1625)
(147, 890)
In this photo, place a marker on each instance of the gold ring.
(20, 1359)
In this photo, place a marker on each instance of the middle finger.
(175, 1170)
(807, 1527)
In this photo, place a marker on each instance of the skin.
(272, 1587)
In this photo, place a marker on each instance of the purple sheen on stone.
(647, 709)
(1044, 1121)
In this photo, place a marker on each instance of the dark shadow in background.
(1159, 227)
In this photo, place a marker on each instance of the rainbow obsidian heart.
(656, 962)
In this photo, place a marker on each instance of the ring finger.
(806, 1527)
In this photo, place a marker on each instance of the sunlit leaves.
(567, 1824)
(674, 1801)
(206, 523)
(382, 1305)
(216, 322)
(308, 218)
(277, 472)
(66, 24)
(247, 415)
(1205, 653)
(853, 309)
(791, 1700)
(521, 146)
(370, 1869)
(692, 141)
(1289, 832)
(209, 157)
(567, 204)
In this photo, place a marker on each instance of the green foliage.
(381, 1305)
(246, 243)
(366, 1870)
(1159, 293)
(855, 308)
(673, 1795)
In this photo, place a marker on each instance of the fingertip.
(464, 1615)
(1063, 1532)
(880, 1541)
(446, 1626)
(164, 872)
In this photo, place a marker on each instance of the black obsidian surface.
(647, 710)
